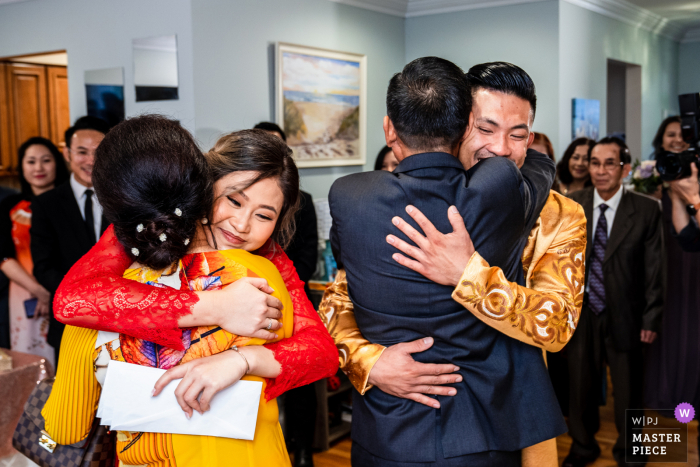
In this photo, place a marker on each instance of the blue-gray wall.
(226, 66)
(234, 64)
(689, 68)
(586, 41)
(526, 35)
(98, 34)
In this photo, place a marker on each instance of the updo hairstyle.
(152, 182)
(262, 152)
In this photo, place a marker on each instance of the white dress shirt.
(79, 193)
(613, 205)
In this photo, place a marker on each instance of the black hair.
(506, 78)
(625, 156)
(273, 127)
(152, 182)
(380, 157)
(429, 104)
(87, 122)
(259, 151)
(659, 138)
(563, 172)
(62, 174)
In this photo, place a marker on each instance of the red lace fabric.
(310, 354)
(95, 295)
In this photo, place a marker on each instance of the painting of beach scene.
(585, 120)
(321, 105)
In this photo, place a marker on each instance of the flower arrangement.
(645, 178)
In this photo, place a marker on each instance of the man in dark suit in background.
(624, 298)
(428, 106)
(67, 221)
(300, 403)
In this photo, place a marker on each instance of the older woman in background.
(40, 169)
(572, 169)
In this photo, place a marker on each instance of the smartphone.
(30, 307)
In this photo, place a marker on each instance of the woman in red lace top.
(94, 295)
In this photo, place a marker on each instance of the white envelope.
(126, 404)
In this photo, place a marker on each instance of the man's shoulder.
(644, 203)
(54, 196)
(581, 196)
(360, 183)
(561, 213)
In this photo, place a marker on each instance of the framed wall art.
(585, 118)
(321, 104)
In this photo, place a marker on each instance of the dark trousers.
(589, 350)
(359, 457)
(300, 415)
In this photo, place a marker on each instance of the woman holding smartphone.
(40, 169)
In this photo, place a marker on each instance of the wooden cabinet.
(33, 102)
(59, 105)
(5, 144)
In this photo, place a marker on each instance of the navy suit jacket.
(505, 401)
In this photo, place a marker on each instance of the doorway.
(33, 102)
(624, 104)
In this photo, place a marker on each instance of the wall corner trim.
(389, 7)
(691, 35)
(632, 15)
(620, 10)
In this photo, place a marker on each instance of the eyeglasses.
(608, 165)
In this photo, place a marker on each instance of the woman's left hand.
(202, 379)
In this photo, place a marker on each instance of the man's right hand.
(244, 308)
(398, 374)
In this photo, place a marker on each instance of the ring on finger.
(269, 325)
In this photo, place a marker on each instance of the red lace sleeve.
(310, 354)
(95, 295)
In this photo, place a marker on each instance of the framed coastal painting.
(585, 118)
(321, 103)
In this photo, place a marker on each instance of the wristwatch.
(692, 208)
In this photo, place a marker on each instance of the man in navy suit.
(504, 400)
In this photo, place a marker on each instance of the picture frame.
(585, 118)
(321, 104)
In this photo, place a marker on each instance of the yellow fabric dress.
(71, 407)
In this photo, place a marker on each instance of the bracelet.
(235, 349)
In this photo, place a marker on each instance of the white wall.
(525, 35)
(155, 68)
(689, 68)
(97, 34)
(234, 64)
(586, 41)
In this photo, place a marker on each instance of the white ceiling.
(685, 13)
(678, 19)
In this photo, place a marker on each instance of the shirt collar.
(428, 160)
(612, 203)
(78, 188)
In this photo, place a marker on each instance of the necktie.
(596, 285)
(89, 217)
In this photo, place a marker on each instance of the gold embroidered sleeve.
(547, 312)
(357, 355)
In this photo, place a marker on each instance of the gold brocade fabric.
(545, 313)
(357, 355)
